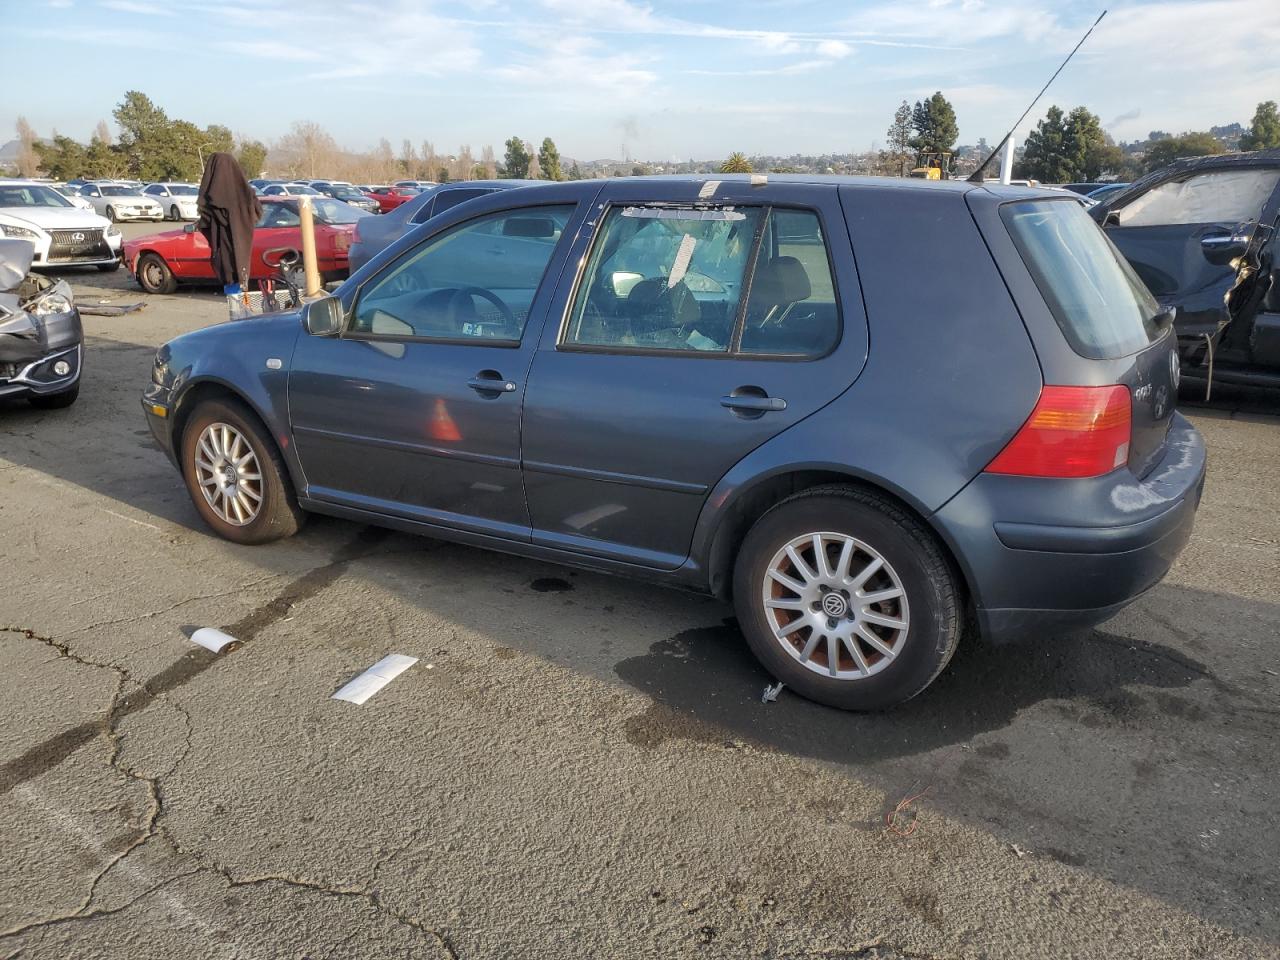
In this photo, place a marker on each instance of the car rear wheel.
(56, 401)
(847, 599)
(235, 476)
(175, 213)
(154, 275)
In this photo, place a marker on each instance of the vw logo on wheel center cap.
(834, 605)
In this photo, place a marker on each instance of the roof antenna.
(976, 176)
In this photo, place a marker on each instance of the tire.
(56, 401)
(111, 267)
(278, 514)
(913, 563)
(175, 213)
(153, 274)
(111, 214)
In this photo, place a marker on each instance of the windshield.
(31, 196)
(335, 211)
(118, 191)
(346, 193)
(1104, 309)
(183, 190)
(299, 191)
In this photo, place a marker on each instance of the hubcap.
(835, 605)
(229, 474)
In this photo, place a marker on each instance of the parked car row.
(60, 233)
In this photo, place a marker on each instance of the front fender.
(233, 358)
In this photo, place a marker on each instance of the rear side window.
(1104, 310)
(747, 280)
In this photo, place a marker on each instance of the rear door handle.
(754, 404)
(491, 385)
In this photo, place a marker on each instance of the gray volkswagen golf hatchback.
(870, 412)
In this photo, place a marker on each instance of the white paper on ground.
(212, 639)
(375, 678)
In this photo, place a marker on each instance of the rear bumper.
(1035, 569)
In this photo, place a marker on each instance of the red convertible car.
(161, 261)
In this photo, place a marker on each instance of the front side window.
(1218, 196)
(674, 279)
(31, 196)
(279, 215)
(473, 283)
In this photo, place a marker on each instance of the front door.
(414, 411)
(706, 320)
(1163, 231)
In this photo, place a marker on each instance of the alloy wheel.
(229, 474)
(835, 605)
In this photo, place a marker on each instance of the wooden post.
(309, 264)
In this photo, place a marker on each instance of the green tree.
(736, 163)
(575, 172)
(1088, 147)
(549, 161)
(1047, 156)
(62, 158)
(252, 156)
(1264, 132)
(442, 175)
(146, 136)
(897, 159)
(1163, 152)
(515, 165)
(934, 123)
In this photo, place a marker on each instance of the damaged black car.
(1202, 235)
(41, 339)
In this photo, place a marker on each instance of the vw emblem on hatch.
(1175, 368)
(77, 237)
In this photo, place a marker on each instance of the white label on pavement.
(375, 678)
(212, 639)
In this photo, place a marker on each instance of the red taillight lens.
(1072, 432)
(341, 241)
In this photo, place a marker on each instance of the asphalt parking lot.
(579, 766)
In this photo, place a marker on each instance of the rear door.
(1162, 231)
(704, 320)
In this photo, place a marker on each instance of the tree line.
(1064, 147)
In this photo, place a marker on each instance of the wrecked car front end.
(41, 337)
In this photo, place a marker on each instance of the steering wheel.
(466, 293)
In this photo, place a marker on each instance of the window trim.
(349, 317)
(733, 350)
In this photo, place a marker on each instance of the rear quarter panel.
(950, 375)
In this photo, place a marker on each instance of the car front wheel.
(175, 213)
(154, 275)
(847, 599)
(235, 476)
(111, 214)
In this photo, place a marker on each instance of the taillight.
(1072, 432)
(341, 240)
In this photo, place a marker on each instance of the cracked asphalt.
(580, 766)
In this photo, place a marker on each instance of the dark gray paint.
(630, 464)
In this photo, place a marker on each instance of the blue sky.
(697, 78)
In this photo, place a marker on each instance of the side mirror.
(323, 317)
(188, 228)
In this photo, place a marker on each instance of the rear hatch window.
(1104, 309)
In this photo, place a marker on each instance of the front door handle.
(749, 403)
(492, 383)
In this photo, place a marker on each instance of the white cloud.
(139, 7)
